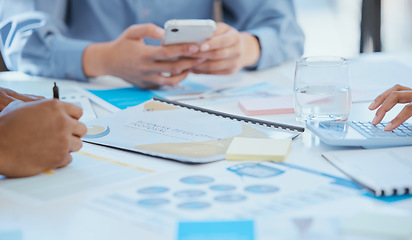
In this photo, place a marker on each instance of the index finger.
(22, 97)
(381, 98)
(138, 31)
(394, 98)
(72, 110)
(404, 115)
(172, 51)
(227, 39)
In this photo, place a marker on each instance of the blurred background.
(333, 27)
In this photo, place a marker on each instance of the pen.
(55, 91)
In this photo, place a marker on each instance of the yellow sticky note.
(258, 149)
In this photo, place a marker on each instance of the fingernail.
(194, 48)
(372, 105)
(200, 60)
(375, 120)
(204, 47)
(387, 127)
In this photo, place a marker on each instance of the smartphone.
(188, 31)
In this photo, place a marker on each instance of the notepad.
(264, 106)
(178, 131)
(385, 172)
(258, 149)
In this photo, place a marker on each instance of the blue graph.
(153, 190)
(197, 179)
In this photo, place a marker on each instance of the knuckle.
(379, 97)
(380, 112)
(144, 68)
(209, 66)
(62, 122)
(80, 145)
(395, 95)
(151, 26)
(64, 141)
(83, 129)
(146, 54)
(53, 104)
(408, 107)
(166, 53)
(217, 54)
(398, 86)
(61, 156)
(77, 145)
(80, 110)
(237, 54)
(66, 160)
(175, 68)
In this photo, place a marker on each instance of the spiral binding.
(235, 117)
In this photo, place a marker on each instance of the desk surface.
(67, 208)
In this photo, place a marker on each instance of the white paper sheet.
(92, 167)
(178, 133)
(378, 169)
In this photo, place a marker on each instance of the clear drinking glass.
(321, 89)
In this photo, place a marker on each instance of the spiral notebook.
(385, 172)
(178, 131)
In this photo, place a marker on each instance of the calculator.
(361, 133)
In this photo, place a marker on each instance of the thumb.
(139, 31)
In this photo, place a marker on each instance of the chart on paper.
(93, 167)
(230, 191)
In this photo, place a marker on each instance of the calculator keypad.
(372, 131)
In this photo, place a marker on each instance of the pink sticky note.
(264, 106)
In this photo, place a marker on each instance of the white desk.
(74, 216)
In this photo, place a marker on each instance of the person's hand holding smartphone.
(129, 58)
(227, 51)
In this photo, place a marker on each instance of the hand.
(387, 100)
(38, 136)
(7, 96)
(128, 57)
(227, 51)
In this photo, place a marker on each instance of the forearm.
(95, 57)
(276, 47)
(251, 49)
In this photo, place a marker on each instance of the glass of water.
(322, 91)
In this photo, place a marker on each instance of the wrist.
(251, 49)
(95, 57)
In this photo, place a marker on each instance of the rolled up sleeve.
(275, 26)
(66, 58)
(31, 45)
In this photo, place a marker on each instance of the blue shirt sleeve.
(34, 43)
(273, 23)
(44, 38)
